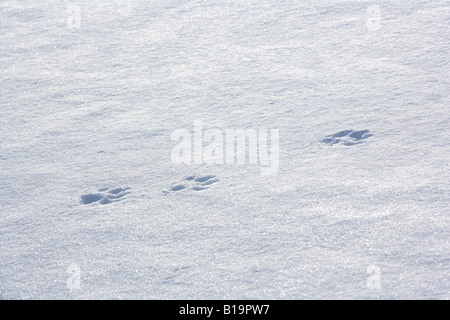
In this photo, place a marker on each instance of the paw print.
(105, 196)
(347, 137)
(194, 183)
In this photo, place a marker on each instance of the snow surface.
(88, 190)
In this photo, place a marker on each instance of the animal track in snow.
(105, 195)
(194, 183)
(347, 137)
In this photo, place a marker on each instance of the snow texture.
(92, 207)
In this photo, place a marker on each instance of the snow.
(93, 207)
